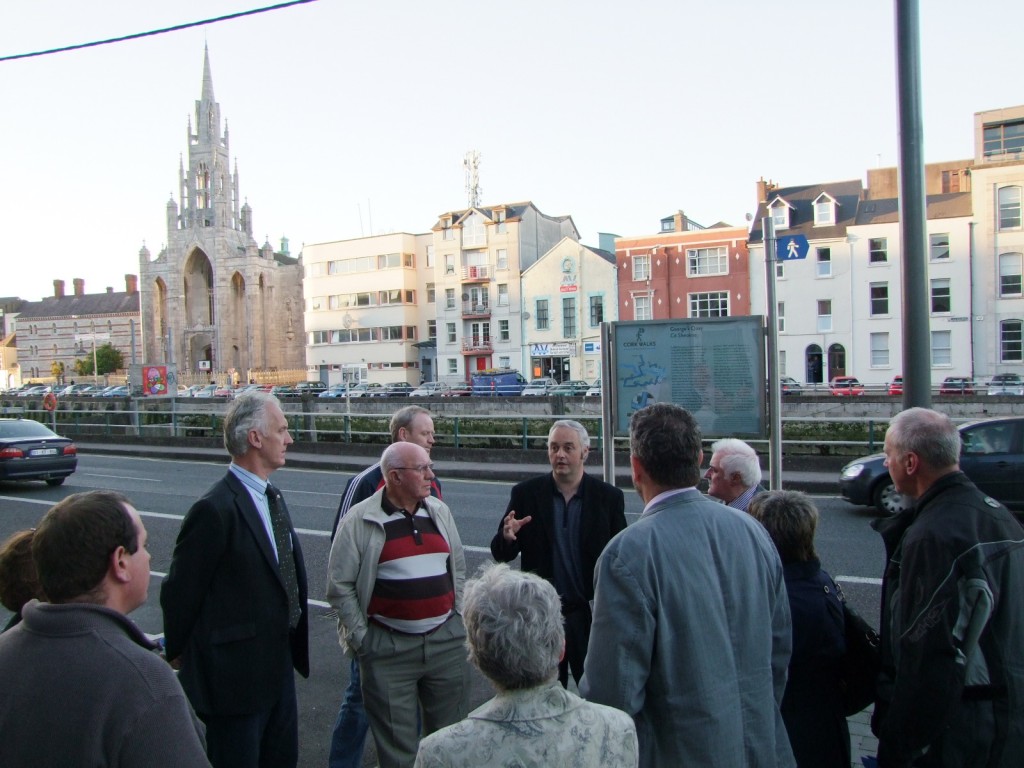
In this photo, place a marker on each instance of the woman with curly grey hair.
(515, 637)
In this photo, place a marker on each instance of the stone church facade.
(213, 299)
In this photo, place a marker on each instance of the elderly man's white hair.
(735, 456)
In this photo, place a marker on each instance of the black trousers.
(577, 636)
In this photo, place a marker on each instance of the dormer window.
(824, 211)
(780, 213)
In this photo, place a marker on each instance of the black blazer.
(225, 607)
(603, 517)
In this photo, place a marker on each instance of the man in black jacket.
(561, 523)
(951, 692)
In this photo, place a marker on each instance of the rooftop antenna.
(471, 162)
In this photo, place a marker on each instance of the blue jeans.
(349, 736)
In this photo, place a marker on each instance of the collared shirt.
(742, 501)
(257, 488)
(568, 519)
(665, 495)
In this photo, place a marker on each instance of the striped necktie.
(285, 557)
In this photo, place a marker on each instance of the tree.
(108, 360)
(57, 370)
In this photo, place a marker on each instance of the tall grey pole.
(608, 389)
(917, 365)
(774, 388)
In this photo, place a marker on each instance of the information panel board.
(713, 367)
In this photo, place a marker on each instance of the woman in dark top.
(812, 707)
(18, 580)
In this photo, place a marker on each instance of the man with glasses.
(411, 424)
(395, 576)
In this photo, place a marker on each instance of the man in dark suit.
(234, 600)
(561, 523)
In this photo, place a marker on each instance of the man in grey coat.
(691, 632)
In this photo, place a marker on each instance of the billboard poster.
(713, 367)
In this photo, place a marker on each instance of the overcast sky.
(352, 117)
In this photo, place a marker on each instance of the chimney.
(79, 284)
(58, 289)
(765, 188)
(110, 289)
(679, 222)
(131, 284)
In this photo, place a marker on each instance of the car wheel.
(887, 500)
(55, 480)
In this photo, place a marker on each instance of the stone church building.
(214, 300)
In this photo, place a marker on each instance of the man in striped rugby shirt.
(396, 573)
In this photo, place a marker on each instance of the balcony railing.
(474, 344)
(475, 309)
(479, 273)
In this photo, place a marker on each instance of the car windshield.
(25, 428)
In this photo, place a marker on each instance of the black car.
(31, 451)
(991, 455)
(396, 389)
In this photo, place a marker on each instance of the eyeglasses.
(421, 468)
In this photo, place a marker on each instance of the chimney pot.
(131, 284)
(58, 289)
(79, 284)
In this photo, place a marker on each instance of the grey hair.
(403, 418)
(513, 627)
(578, 428)
(248, 411)
(929, 434)
(791, 519)
(736, 457)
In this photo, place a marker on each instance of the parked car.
(991, 455)
(595, 389)
(366, 389)
(790, 386)
(118, 390)
(896, 386)
(310, 387)
(430, 389)
(846, 386)
(1006, 384)
(538, 387)
(36, 390)
(335, 390)
(76, 389)
(204, 390)
(498, 382)
(956, 385)
(31, 451)
(283, 391)
(571, 388)
(225, 390)
(397, 389)
(461, 389)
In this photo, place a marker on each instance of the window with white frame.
(431, 291)
(780, 270)
(1004, 138)
(391, 333)
(449, 298)
(642, 267)
(502, 294)
(432, 329)
(453, 365)
(447, 233)
(430, 256)
(780, 215)
(450, 328)
(642, 307)
(568, 317)
(504, 361)
(780, 315)
(596, 310)
(503, 331)
(938, 246)
(824, 211)
(707, 261)
(879, 298)
(474, 231)
(878, 250)
(449, 263)
(1009, 275)
(824, 316)
(782, 362)
(501, 257)
(711, 304)
(879, 350)
(824, 263)
(942, 348)
(1009, 208)
(541, 315)
(942, 301)
(1010, 348)
(499, 220)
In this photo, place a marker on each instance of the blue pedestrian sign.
(791, 248)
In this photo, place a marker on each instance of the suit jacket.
(225, 607)
(603, 517)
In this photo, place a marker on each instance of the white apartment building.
(568, 292)
(368, 302)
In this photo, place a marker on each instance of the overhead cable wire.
(152, 32)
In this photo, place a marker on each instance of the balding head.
(407, 473)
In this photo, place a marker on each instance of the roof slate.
(119, 303)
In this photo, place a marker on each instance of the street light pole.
(95, 368)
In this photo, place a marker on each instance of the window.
(780, 316)
(1010, 348)
(824, 211)
(1004, 139)
(596, 310)
(447, 233)
(1009, 208)
(501, 257)
(879, 350)
(449, 263)
(782, 362)
(474, 231)
(879, 298)
(499, 220)
(452, 338)
(714, 304)
(824, 262)
(954, 181)
(453, 365)
(504, 362)
(878, 250)
(780, 215)
(503, 332)
(780, 270)
(389, 260)
(391, 333)
(391, 297)
(707, 261)
(568, 318)
(502, 294)
(430, 256)
(938, 246)
(542, 314)
(1009, 275)
(942, 350)
(941, 300)
(430, 293)
(824, 316)
(410, 332)
(642, 307)
(432, 329)
(642, 267)
(449, 298)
